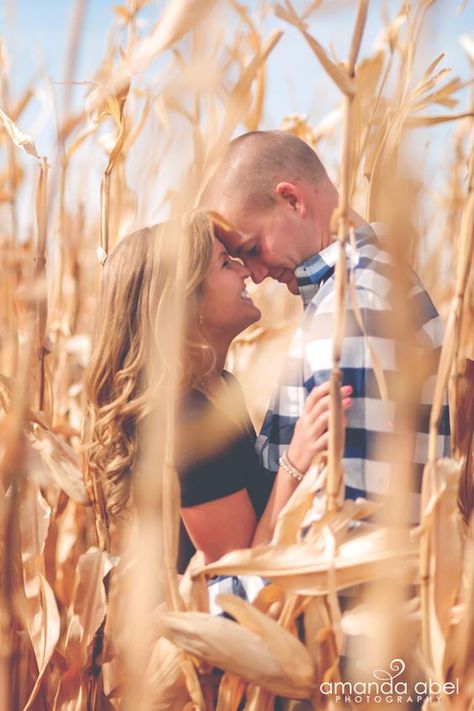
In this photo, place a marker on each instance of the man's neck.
(355, 221)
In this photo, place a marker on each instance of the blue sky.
(37, 34)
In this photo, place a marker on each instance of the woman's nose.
(244, 270)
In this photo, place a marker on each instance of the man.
(274, 192)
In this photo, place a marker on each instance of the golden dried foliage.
(83, 628)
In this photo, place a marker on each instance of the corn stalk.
(335, 481)
(40, 280)
(449, 348)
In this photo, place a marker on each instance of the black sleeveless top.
(220, 468)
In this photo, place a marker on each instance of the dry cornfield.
(87, 625)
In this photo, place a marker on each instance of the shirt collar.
(313, 272)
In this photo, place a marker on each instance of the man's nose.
(258, 272)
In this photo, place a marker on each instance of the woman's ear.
(290, 193)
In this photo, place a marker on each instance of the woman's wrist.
(297, 460)
(290, 467)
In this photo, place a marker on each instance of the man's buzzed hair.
(256, 162)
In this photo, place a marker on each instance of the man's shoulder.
(373, 274)
(372, 277)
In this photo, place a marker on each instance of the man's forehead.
(230, 234)
(230, 238)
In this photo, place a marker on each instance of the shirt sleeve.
(212, 452)
(369, 363)
(361, 346)
(214, 476)
(369, 421)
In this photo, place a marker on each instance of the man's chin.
(292, 287)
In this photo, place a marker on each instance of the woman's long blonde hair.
(117, 382)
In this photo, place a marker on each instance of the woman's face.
(224, 305)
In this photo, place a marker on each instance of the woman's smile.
(245, 296)
(225, 303)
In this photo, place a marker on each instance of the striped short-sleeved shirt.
(366, 459)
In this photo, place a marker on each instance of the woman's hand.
(311, 430)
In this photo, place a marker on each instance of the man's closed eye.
(252, 252)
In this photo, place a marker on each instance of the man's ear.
(290, 193)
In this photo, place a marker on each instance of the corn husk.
(216, 640)
(303, 568)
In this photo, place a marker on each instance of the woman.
(228, 501)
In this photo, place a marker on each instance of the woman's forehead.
(219, 249)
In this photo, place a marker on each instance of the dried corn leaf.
(20, 139)
(419, 121)
(67, 550)
(231, 691)
(390, 34)
(287, 649)
(220, 643)
(164, 680)
(364, 620)
(270, 600)
(193, 589)
(288, 13)
(21, 104)
(60, 463)
(178, 18)
(460, 646)
(116, 108)
(259, 700)
(463, 436)
(319, 636)
(428, 84)
(338, 75)
(464, 422)
(433, 65)
(239, 98)
(467, 43)
(291, 516)
(254, 116)
(357, 34)
(90, 601)
(195, 691)
(42, 615)
(327, 125)
(441, 523)
(44, 632)
(337, 521)
(303, 569)
(71, 692)
(87, 613)
(376, 125)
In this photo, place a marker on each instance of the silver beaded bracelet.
(288, 467)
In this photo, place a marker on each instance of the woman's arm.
(229, 522)
(223, 525)
(310, 438)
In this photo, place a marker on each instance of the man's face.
(269, 242)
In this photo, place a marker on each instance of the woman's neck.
(220, 346)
